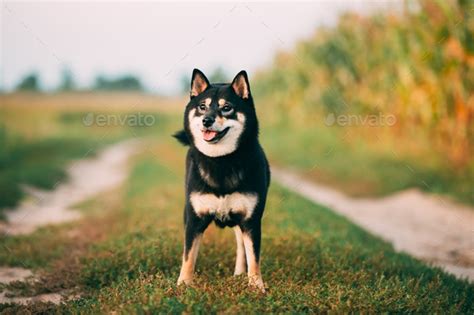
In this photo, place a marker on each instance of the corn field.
(417, 64)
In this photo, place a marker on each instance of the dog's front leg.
(251, 234)
(189, 260)
(240, 264)
(194, 230)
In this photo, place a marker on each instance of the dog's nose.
(207, 121)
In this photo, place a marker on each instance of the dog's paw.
(239, 271)
(185, 281)
(257, 283)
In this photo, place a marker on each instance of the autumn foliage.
(417, 64)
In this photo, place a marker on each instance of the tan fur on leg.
(255, 277)
(187, 268)
(240, 264)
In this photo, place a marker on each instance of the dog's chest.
(227, 179)
(223, 206)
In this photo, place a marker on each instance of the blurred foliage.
(417, 65)
(29, 83)
(125, 83)
(218, 75)
(67, 81)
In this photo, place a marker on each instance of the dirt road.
(429, 227)
(86, 179)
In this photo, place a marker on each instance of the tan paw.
(257, 283)
(185, 281)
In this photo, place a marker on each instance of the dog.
(227, 172)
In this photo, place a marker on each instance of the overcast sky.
(157, 41)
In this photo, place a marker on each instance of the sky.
(159, 41)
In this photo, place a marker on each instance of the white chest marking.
(221, 207)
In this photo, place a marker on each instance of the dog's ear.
(199, 83)
(241, 85)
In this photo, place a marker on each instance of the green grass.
(312, 259)
(348, 161)
(124, 255)
(40, 163)
(40, 160)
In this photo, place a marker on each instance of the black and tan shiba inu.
(227, 173)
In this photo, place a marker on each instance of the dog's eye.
(226, 109)
(202, 107)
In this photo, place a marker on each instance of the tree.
(29, 83)
(67, 80)
(185, 83)
(125, 83)
(218, 76)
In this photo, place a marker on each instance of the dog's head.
(220, 117)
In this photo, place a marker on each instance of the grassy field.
(40, 135)
(364, 162)
(51, 129)
(124, 254)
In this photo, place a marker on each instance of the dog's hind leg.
(251, 237)
(240, 263)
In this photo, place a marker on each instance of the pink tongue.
(209, 135)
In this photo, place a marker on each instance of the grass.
(313, 259)
(41, 163)
(379, 163)
(40, 136)
(124, 254)
(363, 164)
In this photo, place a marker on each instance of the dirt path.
(428, 227)
(86, 178)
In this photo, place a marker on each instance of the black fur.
(182, 137)
(245, 170)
